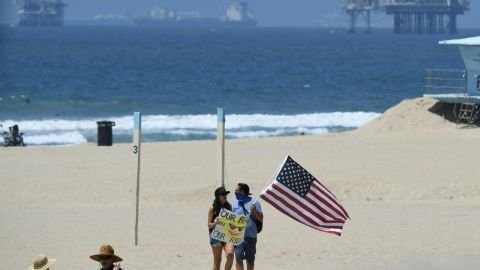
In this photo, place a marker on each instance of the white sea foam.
(278, 132)
(248, 133)
(74, 137)
(205, 121)
(73, 131)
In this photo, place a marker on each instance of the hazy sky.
(268, 12)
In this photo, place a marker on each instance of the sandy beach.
(408, 179)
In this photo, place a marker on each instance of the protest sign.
(230, 227)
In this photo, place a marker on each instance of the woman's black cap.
(221, 191)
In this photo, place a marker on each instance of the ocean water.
(57, 82)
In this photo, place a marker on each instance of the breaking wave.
(74, 137)
(188, 127)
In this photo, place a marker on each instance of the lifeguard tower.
(459, 87)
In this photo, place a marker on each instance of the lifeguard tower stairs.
(459, 87)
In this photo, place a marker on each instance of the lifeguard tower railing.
(450, 86)
(446, 81)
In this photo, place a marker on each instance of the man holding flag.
(247, 205)
(294, 192)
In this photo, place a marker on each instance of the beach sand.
(409, 181)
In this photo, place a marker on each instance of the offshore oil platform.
(410, 16)
(41, 13)
(359, 8)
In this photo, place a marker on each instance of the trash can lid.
(105, 123)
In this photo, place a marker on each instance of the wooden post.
(221, 146)
(137, 142)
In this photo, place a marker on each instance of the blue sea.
(57, 82)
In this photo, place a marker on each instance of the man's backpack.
(258, 223)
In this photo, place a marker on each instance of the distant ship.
(41, 13)
(237, 15)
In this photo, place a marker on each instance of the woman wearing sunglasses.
(219, 203)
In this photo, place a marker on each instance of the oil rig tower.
(356, 8)
(425, 16)
(410, 16)
(41, 13)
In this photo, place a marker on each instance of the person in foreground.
(107, 258)
(219, 203)
(246, 205)
(41, 262)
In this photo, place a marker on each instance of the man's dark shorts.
(246, 250)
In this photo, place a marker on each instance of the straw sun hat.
(41, 262)
(106, 250)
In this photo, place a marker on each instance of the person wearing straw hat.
(107, 258)
(41, 262)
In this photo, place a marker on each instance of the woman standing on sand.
(219, 203)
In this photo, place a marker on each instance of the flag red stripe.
(313, 211)
(335, 219)
(319, 186)
(300, 213)
(287, 204)
(279, 208)
(318, 197)
(336, 200)
(302, 205)
(318, 182)
(333, 200)
(321, 190)
(298, 204)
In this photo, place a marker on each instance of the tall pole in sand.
(221, 146)
(137, 142)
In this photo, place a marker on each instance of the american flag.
(299, 195)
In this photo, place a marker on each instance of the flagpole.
(221, 146)
(137, 143)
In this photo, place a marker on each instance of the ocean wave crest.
(203, 126)
(60, 138)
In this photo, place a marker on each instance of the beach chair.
(15, 138)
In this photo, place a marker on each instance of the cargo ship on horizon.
(237, 15)
(41, 13)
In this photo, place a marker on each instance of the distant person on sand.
(107, 258)
(219, 203)
(246, 205)
(41, 262)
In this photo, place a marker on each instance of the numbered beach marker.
(137, 134)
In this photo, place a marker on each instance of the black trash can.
(105, 133)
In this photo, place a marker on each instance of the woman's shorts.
(216, 243)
